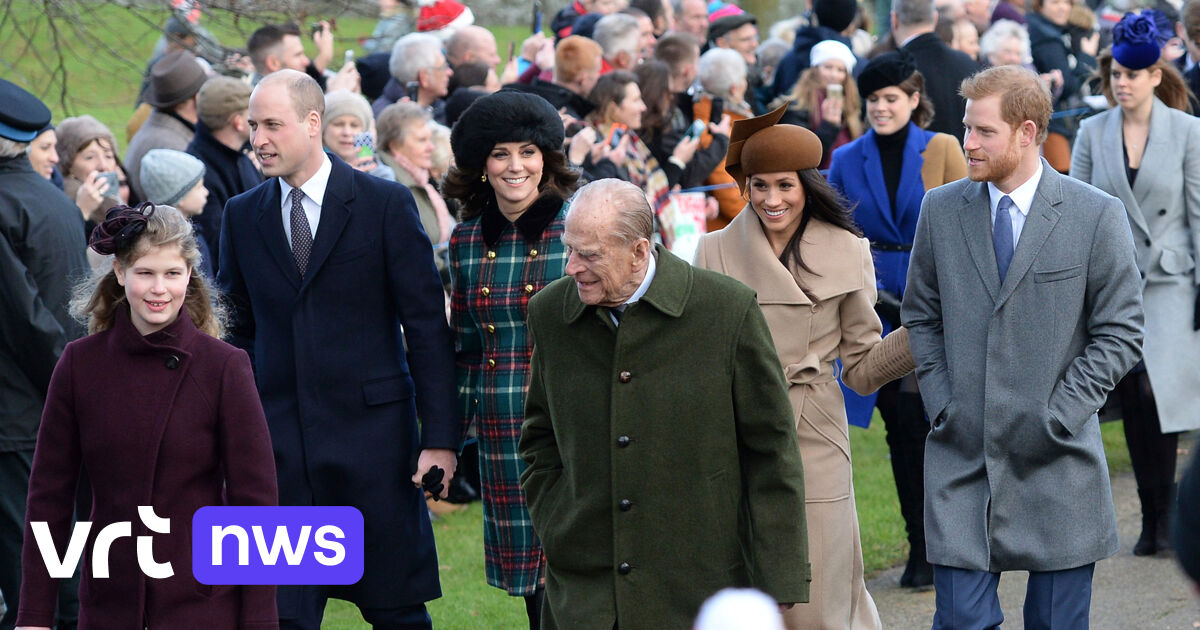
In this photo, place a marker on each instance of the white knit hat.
(168, 176)
(832, 49)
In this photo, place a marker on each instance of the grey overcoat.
(1163, 207)
(1012, 374)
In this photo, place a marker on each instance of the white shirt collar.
(314, 188)
(1022, 196)
(641, 290)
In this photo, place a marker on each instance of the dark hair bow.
(121, 227)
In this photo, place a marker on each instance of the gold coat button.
(625, 377)
(491, 363)
(529, 288)
(491, 254)
(491, 328)
(533, 253)
(485, 291)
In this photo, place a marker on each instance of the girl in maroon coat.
(158, 412)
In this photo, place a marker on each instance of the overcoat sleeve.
(868, 363)
(418, 296)
(29, 329)
(1113, 300)
(538, 446)
(772, 472)
(1191, 187)
(1081, 154)
(249, 466)
(468, 347)
(921, 314)
(233, 286)
(52, 486)
(955, 161)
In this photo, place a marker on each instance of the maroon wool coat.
(171, 420)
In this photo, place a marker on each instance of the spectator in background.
(577, 64)
(736, 32)
(86, 148)
(222, 142)
(692, 18)
(174, 82)
(477, 44)
(1146, 152)
(620, 40)
(1006, 43)
(829, 18)
(41, 257)
(1058, 46)
(722, 75)
(664, 127)
(681, 53)
(645, 32)
(769, 54)
(965, 38)
(174, 178)
(406, 148)
(273, 48)
(347, 115)
(943, 67)
(420, 73)
(44, 157)
(832, 114)
(660, 12)
(473, 74)
(1188, 30)
(395, 21)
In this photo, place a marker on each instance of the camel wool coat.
(808, 338)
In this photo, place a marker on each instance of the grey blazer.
(1012, 373)
(1164, 211)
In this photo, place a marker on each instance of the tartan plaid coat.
(495, 267)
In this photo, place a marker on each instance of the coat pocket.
(381, 391)
(1057, 274)
(1175, 261)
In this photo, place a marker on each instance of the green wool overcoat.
(663, 460)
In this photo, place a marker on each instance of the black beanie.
(835, 14)
(506, 116)
(886, 70)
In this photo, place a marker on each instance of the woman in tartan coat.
(511, 179)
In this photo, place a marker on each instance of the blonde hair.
(804, 97)
(97, 298)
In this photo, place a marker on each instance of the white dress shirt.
(651, 265)
(1022, 198)
(314, 196)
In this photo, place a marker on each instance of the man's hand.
(323, 39)
(443, 458)
(346, 79)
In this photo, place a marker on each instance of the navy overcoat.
(341, 391)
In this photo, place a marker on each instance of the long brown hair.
(804, 97)
(1172, 90)
(823, 203)
(97, 298)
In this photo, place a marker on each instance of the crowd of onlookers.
(647, 91)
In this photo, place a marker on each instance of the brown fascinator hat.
(759, 145)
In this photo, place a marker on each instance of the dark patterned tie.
(301, 234)
(1002, 236)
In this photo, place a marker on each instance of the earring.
(483, 178)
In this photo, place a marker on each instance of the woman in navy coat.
(160, 413)
(884, 175)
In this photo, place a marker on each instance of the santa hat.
(443, 18)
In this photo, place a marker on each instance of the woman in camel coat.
(797, 247)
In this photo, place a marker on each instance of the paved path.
(1128, 592)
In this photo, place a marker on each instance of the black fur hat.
(506, 116)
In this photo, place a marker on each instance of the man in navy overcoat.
(323, 266)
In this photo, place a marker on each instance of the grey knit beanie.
(342, 102)
(168, 176)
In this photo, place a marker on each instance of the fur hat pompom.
(506, 116)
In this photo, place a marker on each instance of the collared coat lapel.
(873, 174)
(976, 224)
(912, 185)
(1164, 148)
(335, 210)
(756, 264)
(270, 223)
(1111, 160)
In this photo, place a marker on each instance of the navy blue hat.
(585, 24)
(23, 116)
(1135, 41)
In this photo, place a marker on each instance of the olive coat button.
(623, 441)
(625, 377)
(624, 568)
(625, 505)
(172, 362)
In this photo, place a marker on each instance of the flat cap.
(721, 27)
(23, 115)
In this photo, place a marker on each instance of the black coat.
(41, 257)
(1057, 48)
(944, 70)
(227, 173)
(341, 388)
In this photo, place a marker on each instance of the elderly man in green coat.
(663, 462)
